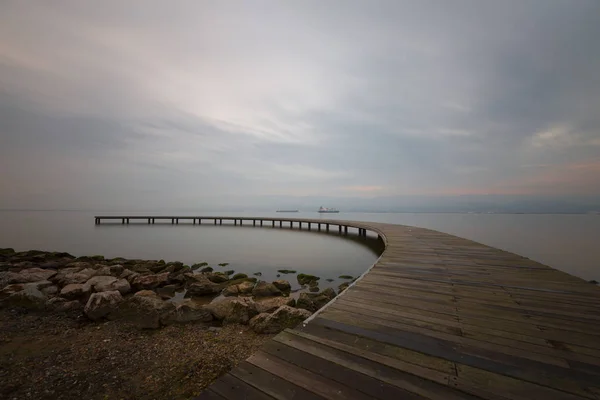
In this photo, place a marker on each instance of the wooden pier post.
(280, 223)
(177, 221)
(327, 227)
(235, 221)
(345, 230)
(215, 221)
(319, 227)
(309, 226)
(261, 221)
(253, 222)
(340, 229)
(152, 221)
(273, 224)
(300, 225)
(220, 222)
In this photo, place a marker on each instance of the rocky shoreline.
(141, 292)
(73, 327)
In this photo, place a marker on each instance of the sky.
(197, 104)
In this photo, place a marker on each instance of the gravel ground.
(61, 356)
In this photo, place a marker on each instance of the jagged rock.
(101, 283)
(75, 291)
(217, 277)
(239, 276)
(72, 275)
(30, 298)
(282, 285)
(245, 287)
(189, 311)
(140, 269)
(80, 265)
(102, 304)
(117, 261)
(102, 270)
(59, 304)
(50, 290)
(203, 287)
(205, 269)
(116, 269)
(121, 285)
(329, 293)
(343, 287)
(144, 282)
(272, 304)
(306, 279)
(145, 310)
(10, 290)
(129, 275)
(284, 317)
(194, 278)
(32, 275)
(314, 301)
(265, 289)
(233, 310)
(231, 290)
(167, 292)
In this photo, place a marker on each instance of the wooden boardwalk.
(437, 317)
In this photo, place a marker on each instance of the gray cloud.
(115, 105)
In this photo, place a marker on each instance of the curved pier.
(436, 317)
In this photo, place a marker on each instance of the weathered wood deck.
(437, 317)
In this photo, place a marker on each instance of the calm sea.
(566, 242)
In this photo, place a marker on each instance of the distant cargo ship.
(324, 210)
(287, 211)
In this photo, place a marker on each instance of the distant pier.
(436, 317)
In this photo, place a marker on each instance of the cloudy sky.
(113, 104)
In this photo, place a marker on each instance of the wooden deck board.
(437, 317)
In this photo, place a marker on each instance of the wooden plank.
(208, 394)
(230, 387)
(494, 386)
(335, 365)
(402, 358)
(306, 379)
(271, 384)
(506, 364)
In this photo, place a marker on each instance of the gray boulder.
(245, 287)
(217, 277)
(284, 317)
(272, 304)
(231, 290)
(203, 287)
(116, 269)
(145, 282)
(233, 310)
(145, 310)
(75, 291)
(32, 275)
(72, 275)
(59, 304)
(29, 297)
(102, 304)
(265, 289)
(129, 275)
(189, 311)
(50, 290)
(282, 285)
(101, 283)
(314, 301)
